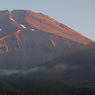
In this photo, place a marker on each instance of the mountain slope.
(28, 49)
(80, 61)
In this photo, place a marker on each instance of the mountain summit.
(29, 39)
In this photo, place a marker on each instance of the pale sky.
(76, 14)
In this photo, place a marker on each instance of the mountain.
(29, 39)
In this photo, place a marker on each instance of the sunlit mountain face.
(29, 39)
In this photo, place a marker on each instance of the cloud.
(11, 72)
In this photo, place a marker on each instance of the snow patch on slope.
(12, 19)
(0, 29)
(32, 29)
(22, 25)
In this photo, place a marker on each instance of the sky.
(76, 14)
